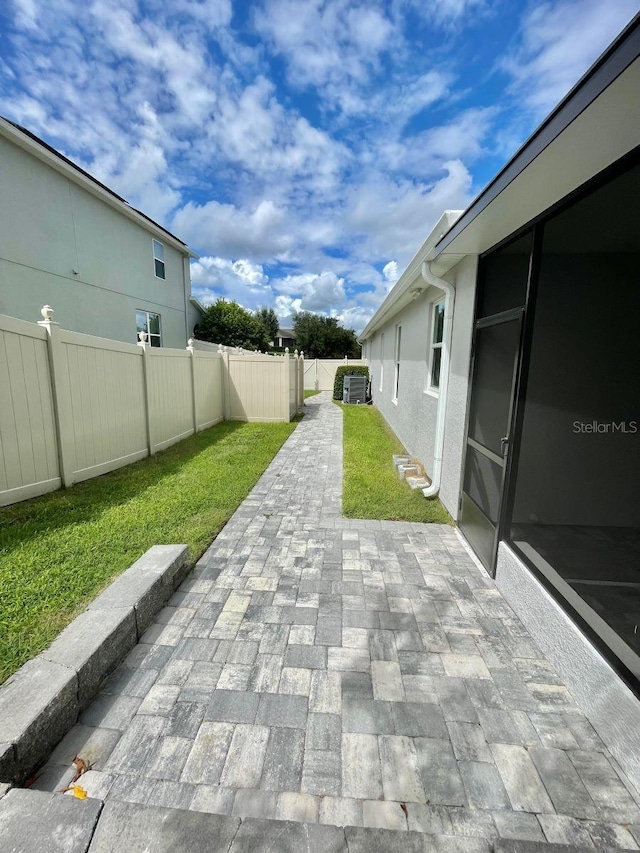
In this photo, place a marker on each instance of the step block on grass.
(38, 705)
(405, 471)
(147, 585)
(400, 460)
(93, 645)
(42, 700)
(418, 482)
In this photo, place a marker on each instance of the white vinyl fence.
(74, 406)
(319, 373)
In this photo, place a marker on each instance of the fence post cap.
(286, 350)
(220, 348)
(301, 353)
(295, 352)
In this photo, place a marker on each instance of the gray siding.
(413, 417)
(51, 227)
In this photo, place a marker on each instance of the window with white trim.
(396, 376)
(435, 348)
(148, 322)
(158, 259)
(381, 360)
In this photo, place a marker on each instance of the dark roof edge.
(615, 59)
(102, 186)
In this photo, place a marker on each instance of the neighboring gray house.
(285, 338)
(507, 360)
(69, 241)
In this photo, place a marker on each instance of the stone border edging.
(31, 820)
(43, 699)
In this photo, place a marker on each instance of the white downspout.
(449, 303)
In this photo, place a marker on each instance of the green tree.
(269, 319)
(232, 325)
(324, 337)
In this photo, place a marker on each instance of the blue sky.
(303, 148)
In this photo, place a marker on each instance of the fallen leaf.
(79, 793)
(404, 809)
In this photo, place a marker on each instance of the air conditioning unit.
(354, 389)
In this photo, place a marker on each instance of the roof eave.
(44, 152)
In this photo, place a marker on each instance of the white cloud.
(253, 129)
(391, 272)
(332, 46)
(393, 218)
(320, 294)
(241, 280)
(422, 154)
(557, 44)
(260, 234)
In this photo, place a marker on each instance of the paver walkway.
(319, 669)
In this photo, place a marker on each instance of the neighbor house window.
(381, 360)
(149, 323)
(158, 258)
(435, 349)
(396, 378)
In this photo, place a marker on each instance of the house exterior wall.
(53, 226)
(413, 416)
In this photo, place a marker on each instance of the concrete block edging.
(43, 699)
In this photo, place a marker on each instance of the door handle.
(504, 443)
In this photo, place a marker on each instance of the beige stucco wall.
(50, 226)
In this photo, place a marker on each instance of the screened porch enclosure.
(553, 445)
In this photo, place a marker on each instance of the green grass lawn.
(59, 550)
(310, 394)
(371, 486)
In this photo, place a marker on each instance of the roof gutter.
(447, 333)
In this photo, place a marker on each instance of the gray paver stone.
(439, 772)
(93, 745)
(252, 803)
(505, 845)
(260, 836)
(281, 710)
(282, 769)
(417, 719)
(39, 822)
(363, 840)
(135, 746)
(245, 757)
(232, 706)
(483, 785)
(367, 716)
(321, 773)
(140, 828)
(306, 657)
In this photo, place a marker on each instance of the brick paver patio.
(319, 669)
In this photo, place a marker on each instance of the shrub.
(347, 370)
